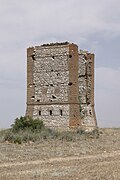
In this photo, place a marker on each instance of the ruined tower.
(60, 86)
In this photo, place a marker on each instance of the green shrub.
(26, 129)
(80, 131)
(11, 137)
(27, 123)
(66, 136)
(8, 136)
(17, 140)
(94, 134)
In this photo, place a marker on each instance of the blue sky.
(93, 25)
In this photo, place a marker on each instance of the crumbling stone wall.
(86, 89)
(60, 85)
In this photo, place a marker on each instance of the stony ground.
(86, 159)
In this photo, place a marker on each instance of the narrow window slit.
(50, 112)
(61, 112)
(40, 113)
(33, 57)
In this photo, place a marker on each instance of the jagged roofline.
(53, 44)
(57, 43)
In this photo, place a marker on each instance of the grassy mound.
(26, 129)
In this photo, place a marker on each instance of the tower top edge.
(66, 43)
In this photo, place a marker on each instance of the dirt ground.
(86, 159)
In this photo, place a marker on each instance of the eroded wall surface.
(86, 89)
(60, 85)
(50, 82)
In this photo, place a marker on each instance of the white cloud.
(108, 96)
(29, 22)
(108, 78)
(37, 19)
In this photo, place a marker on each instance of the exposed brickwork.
(60, 85)
(30, 84)
(73, 89)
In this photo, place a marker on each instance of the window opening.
(90, 112)
(70, 56)
(53, 57)
(61, 112)
(53, 97)
(70, 83)
(33, 57)
(50, 112)
(40, 113)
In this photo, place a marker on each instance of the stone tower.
(60, 86)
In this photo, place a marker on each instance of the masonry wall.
(86, 89)
(30, 82)
(60, 86)
(73, 88)
(50, 84)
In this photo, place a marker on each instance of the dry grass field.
(53, 159)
